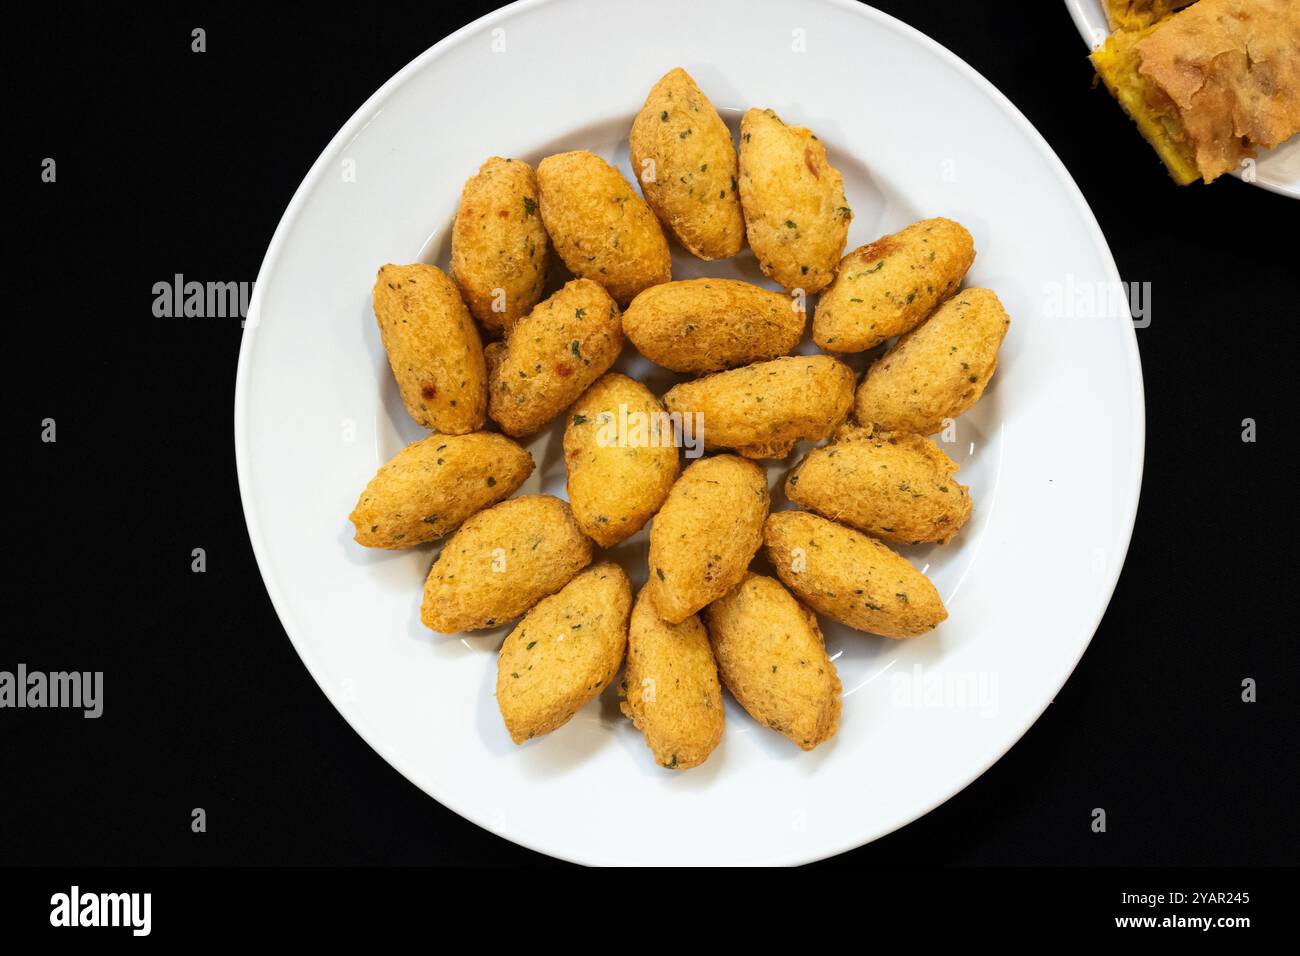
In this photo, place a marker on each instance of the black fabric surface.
(169, 162)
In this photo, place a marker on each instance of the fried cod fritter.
(706, 325)
(499, 248)
(761, 410)
(889, 286)
(618, 477)
(938, 370)
(772, 657)
(796, 216)
(433, 348)
(705, 534)
(670, 689)
(501, 562)
(564, 652)
(600, 227)
(847, 576)
(429, 487)
(683, 157)
(897, 488)
(551, 356)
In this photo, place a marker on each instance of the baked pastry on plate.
(1211, 84)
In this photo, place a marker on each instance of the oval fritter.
(552, 355)
(433, 347)
(854, 579)
(599, 226)
(887, 287)
(670, 689)
(796, 216)
(620, 457)
(896, 487)
(761, 410)
(429, 487)
(564, 652)
(499, 248)
(683, 157)
(772, 657)
(938, 370)
(501, 562)
(705, 534)
(705, 325)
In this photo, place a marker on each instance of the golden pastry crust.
(796, 216)
(898, 488)
(936, 371)
(847, 576)
(683, 157)
(600, 227)
(1232, 67)
(501, 562)
(705, 535)
(706, 325)
(433, 347)
(617, 478)
(552, 355)
(429, 487)
(772, 657)
(889, 286)
(761, 410)
(564, 652)
(670, 689)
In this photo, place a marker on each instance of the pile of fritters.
(703, 620)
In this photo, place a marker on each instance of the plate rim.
(1128, 513)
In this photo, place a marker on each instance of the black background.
(171, 162)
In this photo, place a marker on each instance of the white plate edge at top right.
(1277, 170)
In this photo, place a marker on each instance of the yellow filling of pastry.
(1136, 14)
(1154, 113)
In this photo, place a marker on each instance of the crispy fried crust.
(683, 156)
(706, 325)
(854, 579)
(761, 410)
(551, 356)
(796, 216)
(564, 652)
(887, 287)
(670, 689)
(499, 248)
(895, 487)
(704, 536)
(618, 476)
(429, 487)
(772, 657)
(501, 562)
(433, 348)
(600, 227)
(936, 371)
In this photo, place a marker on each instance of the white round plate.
(1052, 453)
(1277, 170)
